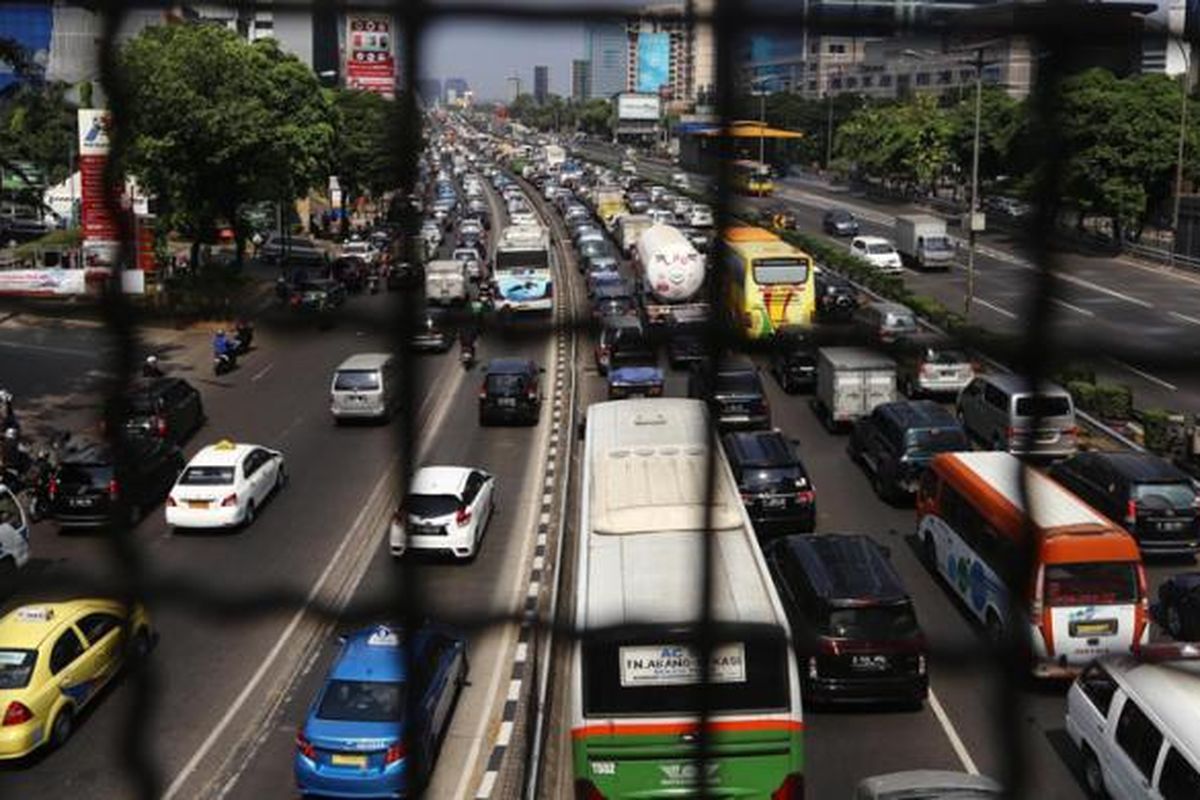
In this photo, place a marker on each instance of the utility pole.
(1183, 101)
(762, 125)
(970, 296)
(829, 129)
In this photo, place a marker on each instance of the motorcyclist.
(150, 368)
(16, 460)
(244, 332)
(8, 417)
(222, 346)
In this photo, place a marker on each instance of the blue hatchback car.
(358, 739)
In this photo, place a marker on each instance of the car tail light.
(463, 516)
(586, 790)
(483, 391)
(114, 489)
(394, 753)
(1141, 614)
(926, 369)
(1071, 431)
(655, 391)
(305, 746)
(171, 502)
(52, 488)
(1131, 513)
(1010, 433)
(921, 666)
(807, 497)
(230, 500)
(813, 671)
(531, 392)
(792, 788)
(160, 426)
(17, 714)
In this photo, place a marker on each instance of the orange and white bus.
(1086, 589)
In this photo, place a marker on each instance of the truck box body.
(922, 242)
(445, 281)
(628, 228)
(851, 381)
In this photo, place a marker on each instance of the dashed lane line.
(1145, 375)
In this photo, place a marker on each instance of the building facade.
(581, 86)
(660, 38)
(605, 45)
(541, 83)
(513, 89)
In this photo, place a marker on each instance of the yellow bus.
(771, 283)
(753, 178)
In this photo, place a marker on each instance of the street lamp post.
(970, 296)
(1183, 99)
(762, 124)
(828, 128)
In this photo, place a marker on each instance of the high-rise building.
(430, 90)
(668, 56)
(514, 88)
(459, 86)
(605, 50)
(541, 83)
(581, 88)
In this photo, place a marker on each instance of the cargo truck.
(851, 381)
(922, 242)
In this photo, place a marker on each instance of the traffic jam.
(885, 515)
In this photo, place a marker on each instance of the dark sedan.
(839, 222)
(84, 488)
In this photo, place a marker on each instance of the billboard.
(632, 106)
(370, 59)
(99, 225)
(654, 61)
(30, 26)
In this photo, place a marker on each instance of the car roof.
(508, 366)
(439, 480)
(735, 364)
(372, 654)
(1012, 382)
(847, 568)
(872, 240)
(918, 414)
(762, 448)
(888, 307)
(1142, 466)
(28, 626)
(224, 453)
(365, 361)
(1168, 689)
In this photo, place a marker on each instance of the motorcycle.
(373, 283)
(466, 356)
(243, 336)
(223, 363)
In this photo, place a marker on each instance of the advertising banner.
(370, 61)
(99, 225)
(654, 61)
(638, 107)
(42, 282)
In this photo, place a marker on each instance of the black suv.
(793, 361)
(775, 488)
(854, 624)
(84, 486)
(511, 392)
(734, 393)
(837, 299)
(1153, 499)
(896, 441)
(623, 343)
(169, 408)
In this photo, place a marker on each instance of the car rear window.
(739, 383)
(206, 476)
(946, 357)
(363, 701)
(95, 475)
(141, 404)
(1090, 583)
(505, 383)
(936, 440)
(1164, 495)
(16, 667)
(356, 380)
(873, 622)
(880, 249)
(789, 478)
(1043, 406)
(431, 505)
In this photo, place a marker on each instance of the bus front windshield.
(773, 271)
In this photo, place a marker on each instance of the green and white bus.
(636, 690)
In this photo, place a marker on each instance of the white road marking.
(1073, 307)
(956, 741)
(262, 372)
(1185, 317)
(383, 484)
(1144, 375)
(995, 308)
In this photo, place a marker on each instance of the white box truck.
(446, 282)
(922, 242)
(851, 381)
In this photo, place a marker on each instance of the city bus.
(1087, 587)
(771, 284)
(753, 178)
(636, 673)
(521, 270)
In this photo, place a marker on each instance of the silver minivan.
(365, 386)
(1000, 411)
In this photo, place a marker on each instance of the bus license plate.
(348, 760)
(1098, 627)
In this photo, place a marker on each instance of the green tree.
(1003, 126)
(217, 123)
(37, 125)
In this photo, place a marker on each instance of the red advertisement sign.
(98, 222)
(370, 61)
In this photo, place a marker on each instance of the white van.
(1136, 723)
(14, 537)
(446, 282)
(365, 386)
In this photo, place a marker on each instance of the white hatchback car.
(447, 511)
(224, 485)
(878, 252)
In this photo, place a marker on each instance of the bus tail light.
(1131, 513)
(792, 788)
(586, 790)
(1141, 614)
(1037, 611)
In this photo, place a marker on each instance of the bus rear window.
(769, 271)
(663, 678)
(1104, 583)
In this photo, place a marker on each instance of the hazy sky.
(486, 53)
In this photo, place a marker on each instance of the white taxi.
(224, 485)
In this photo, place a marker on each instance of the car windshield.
(1044, 406)
(873, 622)
(16, 667)
(880, 249)
(936, 440)
(363, 701)
(431, 505)
(1165, 495)
(356, 380)
(936, 243)
(1086, 584)
(206, 476)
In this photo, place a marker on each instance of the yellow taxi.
(54, 659)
